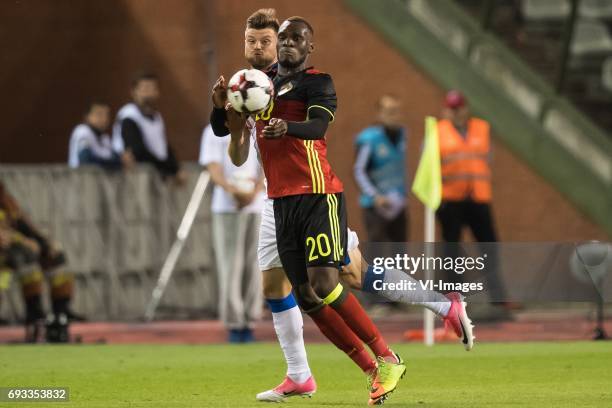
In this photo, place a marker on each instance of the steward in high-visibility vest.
(465, 151)
(465, 161)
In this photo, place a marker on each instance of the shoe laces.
(371, 378)
(382, 371)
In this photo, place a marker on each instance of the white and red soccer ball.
(250, 91)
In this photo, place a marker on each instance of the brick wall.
(60, 55)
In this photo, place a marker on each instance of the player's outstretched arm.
(238, 149)
(313, 128)
(218, 116)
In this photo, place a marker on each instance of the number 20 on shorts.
(318, 247)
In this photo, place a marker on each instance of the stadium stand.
(545, 10)
(527, 113)
(535, 30)
(117, 230)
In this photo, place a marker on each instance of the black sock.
(33, 309)
(60, 306)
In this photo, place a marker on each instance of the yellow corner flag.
(427, 185)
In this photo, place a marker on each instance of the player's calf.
(275, 284)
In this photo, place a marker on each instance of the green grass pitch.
(492, 375)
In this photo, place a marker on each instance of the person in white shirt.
(140, 129)
(237, 203)
(90, 143)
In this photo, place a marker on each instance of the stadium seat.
(591, 37)
(601, 9)
(606, 74)
(545, 10)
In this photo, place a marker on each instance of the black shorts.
(310, 231)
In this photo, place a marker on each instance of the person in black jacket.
(140, 128)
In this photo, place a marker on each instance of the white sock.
(432, 300)
(289, 327)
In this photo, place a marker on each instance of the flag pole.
(430, 235)
(427, 186)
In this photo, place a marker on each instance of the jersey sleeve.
(321, 94)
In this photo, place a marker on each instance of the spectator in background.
(139, 128)
(380, 173)
(237, 203)
(465, 154)
(91, 145)
(38, 257)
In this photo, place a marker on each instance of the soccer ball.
(250, 91)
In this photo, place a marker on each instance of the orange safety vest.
(465, 161)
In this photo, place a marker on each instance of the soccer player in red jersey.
(309, 206)
(260, 52)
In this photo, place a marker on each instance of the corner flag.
(427, 185)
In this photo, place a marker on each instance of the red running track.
(530, 326)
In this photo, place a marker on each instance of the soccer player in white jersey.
(260, 52)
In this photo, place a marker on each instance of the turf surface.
(492, 375)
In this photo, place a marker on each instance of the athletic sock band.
(370, 277)
(280, 305)
(334, 294)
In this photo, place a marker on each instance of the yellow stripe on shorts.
(337, 227)
(331, 209)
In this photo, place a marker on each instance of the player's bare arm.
(312, 129)
(238, 149)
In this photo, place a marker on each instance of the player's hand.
(127, 160)
(34, 246)
(181, 177)
(219, 93)
(276, 128)
(230, 189)
(243, 198)
(236, 121)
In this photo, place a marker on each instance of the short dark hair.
(263, 18)
(95, 102)
(298, 19)
(144, 76)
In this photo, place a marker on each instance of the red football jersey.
(295, 166)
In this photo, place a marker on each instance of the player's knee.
(323, 280)
(324, 286)
(306, 297)
(275, 284)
